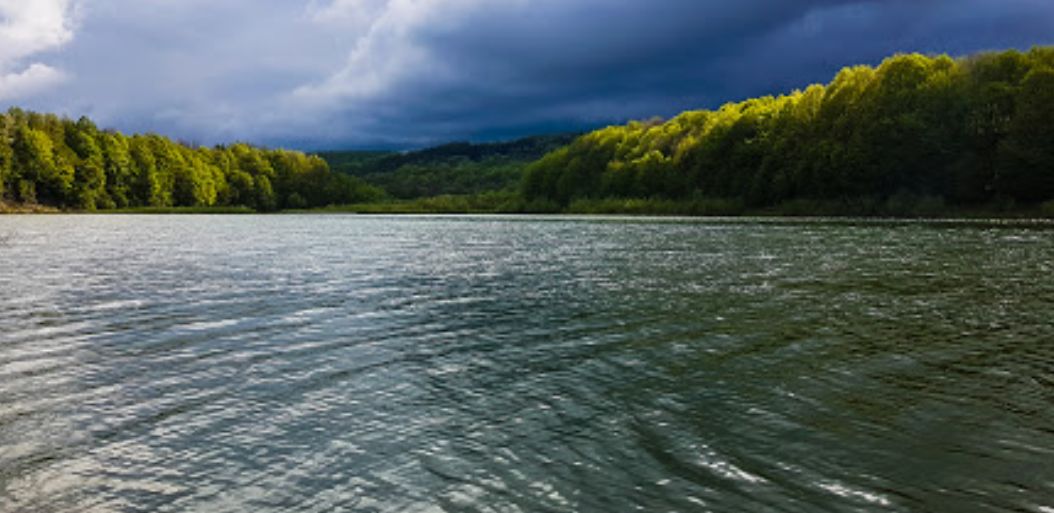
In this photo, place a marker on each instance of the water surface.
(487, 364)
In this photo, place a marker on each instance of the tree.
(41, 177)
(7, 155)
(1026, 156)
(118, 170)
(89, 186)
(146, 185)
(915, 126)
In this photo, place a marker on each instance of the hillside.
(455, 168)
(915, 131)
(916, 135)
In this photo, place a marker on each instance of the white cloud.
(349, 14)
(23, 83)
(388, 46)
(27, 28)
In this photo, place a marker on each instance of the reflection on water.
(327, 363)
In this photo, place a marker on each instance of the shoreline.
(1021, 217)
(21, 209)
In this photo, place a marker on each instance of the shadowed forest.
(460, 168)
(916, 135)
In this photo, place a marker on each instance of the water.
(373, 364)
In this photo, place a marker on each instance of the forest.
(53, 161)
(916, 131)
(460, 168)
(915, 135)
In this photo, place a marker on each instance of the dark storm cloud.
(411, 72)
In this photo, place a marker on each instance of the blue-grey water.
(481, 364)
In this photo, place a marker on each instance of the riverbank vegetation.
(917, 135)
(499, 202)
(26, 208)
(455, 169)
(55, 162)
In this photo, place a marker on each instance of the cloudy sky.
(315, 74)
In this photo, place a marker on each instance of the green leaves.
(1026, 155)
(972, 130)
(58, 162)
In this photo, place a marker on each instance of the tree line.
(459, 168)
(977, 130)
(968, 131)
(49, 160)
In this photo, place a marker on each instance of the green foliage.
(1027, 153)
(43, 175)
(456, 169)
(658, 207)
(1047, 209)
(239, 209)
(57, 162)
(909, 137)
(484, 203)
(355, 163)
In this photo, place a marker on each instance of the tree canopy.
(977, 130)
(58, 162)
(459, 168)
(968, 131)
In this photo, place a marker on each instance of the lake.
(308, 363)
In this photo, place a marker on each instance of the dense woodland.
(915, 131)
(45, 159)
(460, 168)
(972, 131)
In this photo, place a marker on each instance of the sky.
(356, 74)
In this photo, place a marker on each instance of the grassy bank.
(25, 208)
(485, 203)
(178, 210)
(897, 207)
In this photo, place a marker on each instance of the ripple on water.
(321, 363)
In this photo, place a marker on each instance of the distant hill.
(354, 163)
(454, 168)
